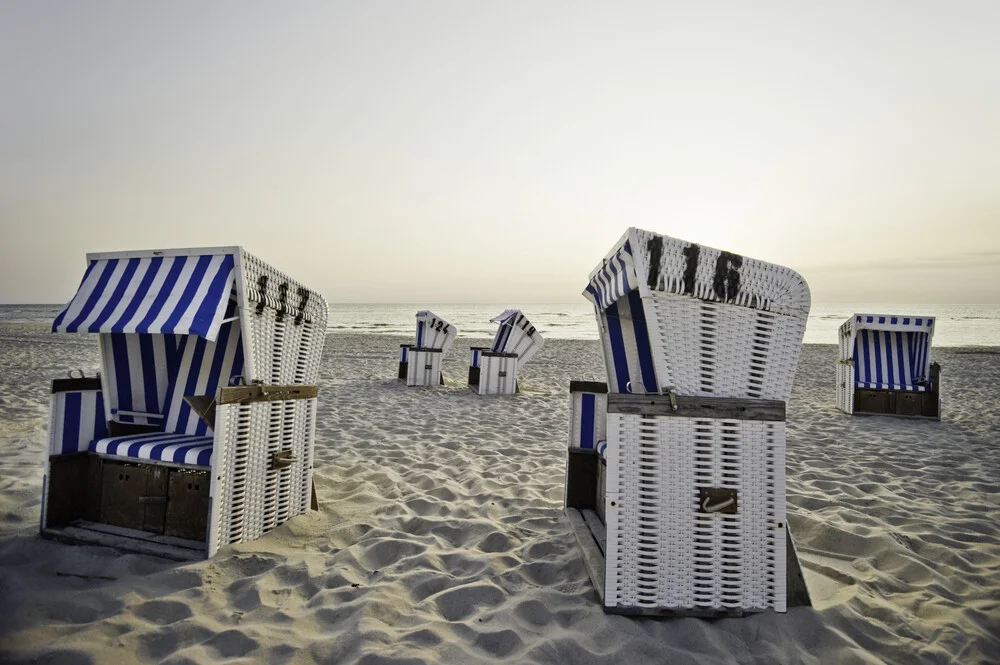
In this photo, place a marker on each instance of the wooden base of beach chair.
(901, 403)
(591, 536)
(145, 500)
(85, 532)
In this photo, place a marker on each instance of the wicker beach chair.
(493, 370)
(199, 430)
(885, 366)
(676, 467)
(420, 363)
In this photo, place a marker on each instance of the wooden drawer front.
(154, 499)
(909, 404)
(875, 401)
(121, 486)
(187, 510)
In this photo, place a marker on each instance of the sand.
(441, 537)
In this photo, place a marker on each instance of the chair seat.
(868, 385)
(189, 449)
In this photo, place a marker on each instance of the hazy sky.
(494, 151)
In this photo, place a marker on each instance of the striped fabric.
(137, 369)
(475, 356)
(172, 448)
(602, 449)
(77, 419)
(158, 294)
(588, 418)
(891, 386)
(615, 279)
(404, 352)
(628, 351)
(891, 360)
(433, 332)
(516, 335)
(204, 368)
(587, 413)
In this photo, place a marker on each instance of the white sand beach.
(441, 539)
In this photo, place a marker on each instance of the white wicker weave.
(661, 551)
(497, 373)
(423, 367)
(249, 498)
(845, 367)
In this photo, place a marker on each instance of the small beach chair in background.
(420, 363)
(885, 366)
(675, 483)
(494, 370)
(199, 430)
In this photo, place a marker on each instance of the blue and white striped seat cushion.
(173, 448)
(867, 385)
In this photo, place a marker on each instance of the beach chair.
(885, 366)
(199, 429)
(494, 370)
(420, 363)
(675, 484)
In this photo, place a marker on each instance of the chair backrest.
(516, 335)
(433, 332)
(138, 369)
(693, 320)
(204, 368)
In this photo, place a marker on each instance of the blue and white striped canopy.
(614, 279)
(185, 295)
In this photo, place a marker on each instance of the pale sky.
(494, 151)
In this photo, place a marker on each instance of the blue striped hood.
(168, 292)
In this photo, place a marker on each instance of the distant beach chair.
(885, 366)
(494, 370)
(675, 482)
(420, 363)
(199, 430)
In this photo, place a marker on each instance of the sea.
(957, 325)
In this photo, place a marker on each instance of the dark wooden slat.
(135, 534)
(716, 408)
(597, 529)
(76, 385)
(796, 592)
(204, 406)
(593, 558)
(250, 394)
(126, 540)
(588, 387)
(581, 478)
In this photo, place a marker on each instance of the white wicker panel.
(845, 367)
(248, 498)
(762, 285)
(722, 350)
(497, 375)
(661, 551)
(423, 368)
(281, 350)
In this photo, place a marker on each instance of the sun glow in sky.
(493, 152)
